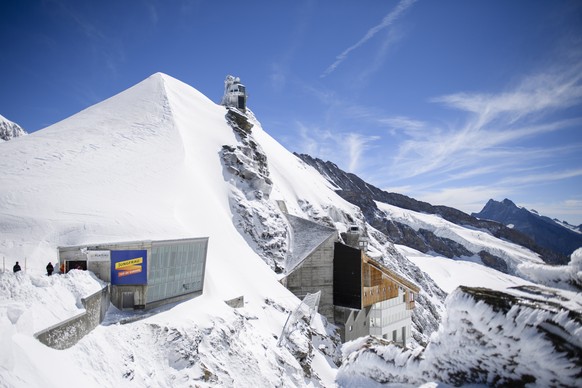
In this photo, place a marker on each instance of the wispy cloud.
(404, 124)
(545, 177)
(152, 11)
(346, 148)
(494, 121)
(387, 21)
(281, 67)
(559, 88)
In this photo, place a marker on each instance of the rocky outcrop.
(10, 130)
(245, 166)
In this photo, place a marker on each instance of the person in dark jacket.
(49, 269)
(16, 267)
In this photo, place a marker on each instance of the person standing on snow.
(49, 269)
(16, 267)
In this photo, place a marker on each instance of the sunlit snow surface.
(145, 164)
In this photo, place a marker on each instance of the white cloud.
(545, 177)
(558, 88)
(396, 124)
(387, 21)
(347, 149)
(495, 123)
(355, 145)
(569, 210)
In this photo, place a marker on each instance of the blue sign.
(129, 267)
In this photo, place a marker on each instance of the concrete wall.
(101, 269)
(315, 273)
(69, 332)
(236, 302)
(137, 299)
(352, 323)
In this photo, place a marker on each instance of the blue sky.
(452, 102)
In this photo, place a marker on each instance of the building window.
(351, 327)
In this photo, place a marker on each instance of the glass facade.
(176, 268)
(391, 319)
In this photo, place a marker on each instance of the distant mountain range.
(546, 232)
(355, 190)
(10, 130)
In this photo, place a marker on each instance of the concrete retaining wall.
(69, 332)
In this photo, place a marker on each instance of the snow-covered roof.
(306, 236)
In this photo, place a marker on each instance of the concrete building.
(360, 295)
(143, 274)
(309, 266)
(370, 299)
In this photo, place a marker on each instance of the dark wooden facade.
(360, 281)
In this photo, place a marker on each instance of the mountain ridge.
(543, 230)
(357, 191)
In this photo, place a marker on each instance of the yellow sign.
(129, 263)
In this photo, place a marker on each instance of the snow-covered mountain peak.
(9, 130)
(146, 164)
(154, 146)
(548, 233)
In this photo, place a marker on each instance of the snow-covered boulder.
(523, 335)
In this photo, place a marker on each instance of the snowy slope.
(143, 164)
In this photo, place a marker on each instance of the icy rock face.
(265, 228)
(246, 168)
(526, 335)
(10, 130)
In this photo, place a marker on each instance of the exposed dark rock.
(239, 120)
(493, 261)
